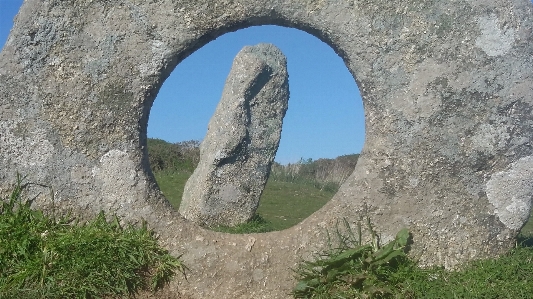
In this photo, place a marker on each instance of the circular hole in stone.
(323, 129)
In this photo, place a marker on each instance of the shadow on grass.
(255, 225)
(525, 241)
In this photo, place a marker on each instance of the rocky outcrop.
(241, 142)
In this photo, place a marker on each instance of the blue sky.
(325, 117)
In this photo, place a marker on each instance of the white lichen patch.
(511, 193)
(493, 40)
(26, 147)
(160, 51)
(118, 178)
(418, 99)
(487, 138)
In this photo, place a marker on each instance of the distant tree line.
(324, 174)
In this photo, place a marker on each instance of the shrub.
(165, 156)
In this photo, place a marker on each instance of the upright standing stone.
(241, 141)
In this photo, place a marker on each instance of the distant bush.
(180, 156)
(324, 174)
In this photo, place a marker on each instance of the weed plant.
(45, 257)
(355, 270)
(352, 269)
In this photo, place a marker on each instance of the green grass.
(282, 204)
(172, 183)
(510, 277)
(45, 257)
(285, 204)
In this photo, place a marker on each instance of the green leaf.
(389, 257)
(402, 237)
(345, 257)
(302, 286)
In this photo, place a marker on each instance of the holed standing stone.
(447, 88)
(241, 142)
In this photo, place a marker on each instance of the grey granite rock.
(241, 142)
(447, 88)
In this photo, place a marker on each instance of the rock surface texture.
(241, 142)
(447, 88)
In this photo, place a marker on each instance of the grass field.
(171, 184)
(282, 205)
(285, 204)
(286, 200)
